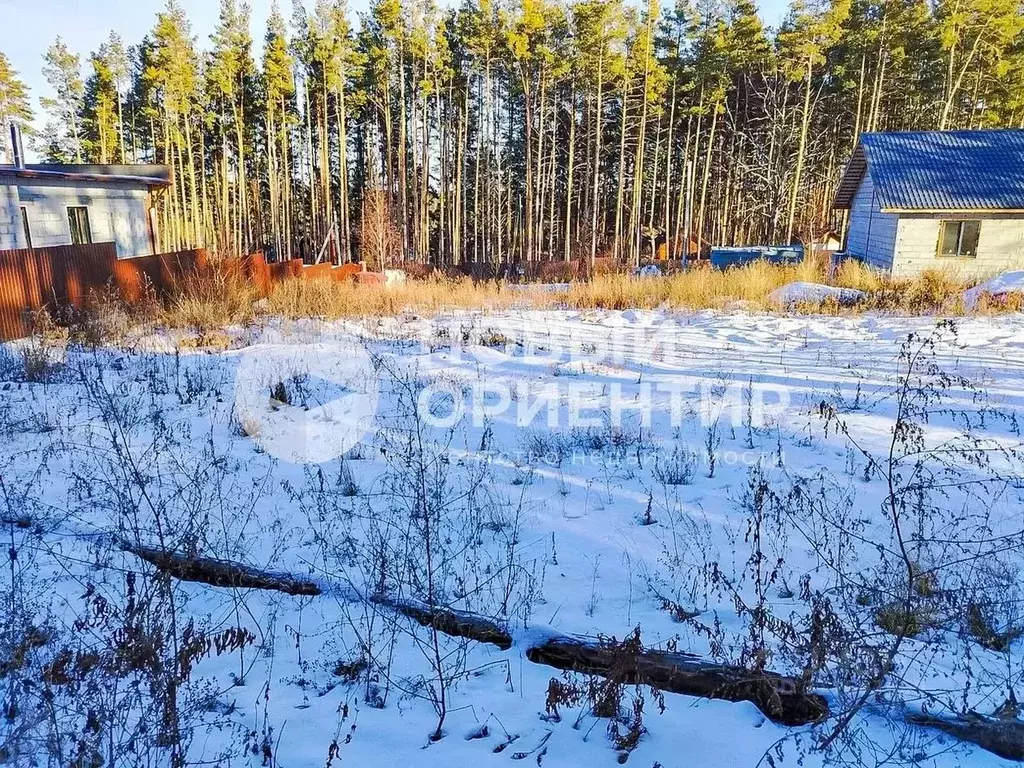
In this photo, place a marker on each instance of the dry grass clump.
(226, 300)
(751, 283)
(329, 299)
(211, 301)
(928, 293)
(206, 339)
(697, 288)
(994, 305)
(859, 276)
(750, 287)
(299, 298)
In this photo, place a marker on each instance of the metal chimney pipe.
(17, 147)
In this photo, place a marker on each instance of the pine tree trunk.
(800, 152)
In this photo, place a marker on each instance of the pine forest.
(520, 130)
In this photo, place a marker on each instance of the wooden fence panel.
(18, 293)
(156, 275)
(258, 272)
(252, 268)
(285, 269)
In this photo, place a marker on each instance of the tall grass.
(211, 301)
(329, 299)
(751, 286)
(748, 286)
(223, 299)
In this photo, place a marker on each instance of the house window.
(959, 238)
(78, 217)
(24, 224)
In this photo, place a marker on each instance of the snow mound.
(813, 293)
(1009, 282)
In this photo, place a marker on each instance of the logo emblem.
(306, 403)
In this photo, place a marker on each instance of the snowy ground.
(593, 511)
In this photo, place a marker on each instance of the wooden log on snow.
(452, 623)
(1003, 737)
(222, 573)
(777, 696)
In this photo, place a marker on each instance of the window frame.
(962, 226)
(26, 229)
(72, 209)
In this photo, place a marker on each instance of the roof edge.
(853, 175)
(148, 175)
(958, 211)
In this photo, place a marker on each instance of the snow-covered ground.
(587, 472)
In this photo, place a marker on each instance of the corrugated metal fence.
(61, 277)
(64, 276)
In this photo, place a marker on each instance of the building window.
(959, 238)
(78, 217)
(24, 224)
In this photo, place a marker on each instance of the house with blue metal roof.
(936, 200)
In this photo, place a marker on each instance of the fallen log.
(777, 696)
(222, 573)
(451, 622)
(1003, 737)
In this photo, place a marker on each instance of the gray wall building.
(947, 200)
(47, 205)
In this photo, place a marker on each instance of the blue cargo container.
(723, 258)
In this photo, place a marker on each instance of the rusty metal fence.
(63, 277)
(56, 278)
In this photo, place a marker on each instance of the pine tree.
(230, 81)
(117, 61)
(600, 33)
(676, 42)
(61, 138)
(172, 83)
(524, 129)
(278, 91)
(100, 109)
(14, 106)
(804, 41)
(976, 36)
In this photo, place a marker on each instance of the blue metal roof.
(943, 170)
(947, 170)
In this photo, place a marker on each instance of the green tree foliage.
(61, 138)
(101, 109)
(14, 104)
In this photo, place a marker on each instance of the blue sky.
(28, 27)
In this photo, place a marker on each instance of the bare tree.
(380, 241)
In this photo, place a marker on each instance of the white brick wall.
(11, 235)
(871, 234)
(908, 244)
(1000, 246)
(118, 213)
